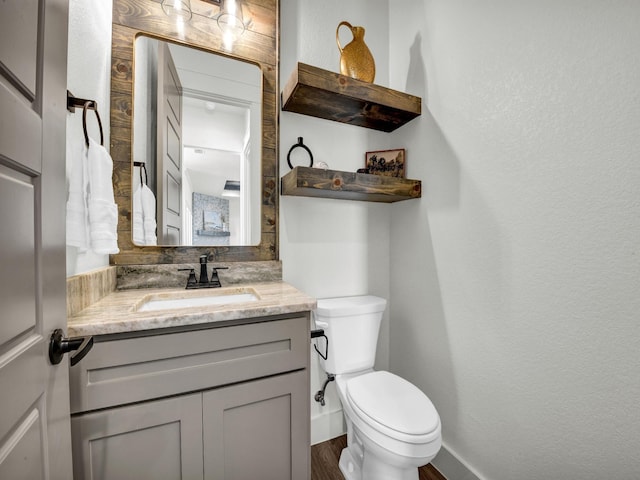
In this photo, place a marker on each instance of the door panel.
(24, 443)
(17, 235)
(169, 189)
(34, 425)
(268, 418)
(19, 27)
(173, 194)
(158, 440)
(21, 362)
(18, 117)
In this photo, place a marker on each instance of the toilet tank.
(351, 324)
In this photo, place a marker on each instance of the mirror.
(258, 46)
(196, 144)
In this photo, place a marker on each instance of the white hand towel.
(77, 211)
(144, 216)
(103, 212)
(148, 201)
(138, 226)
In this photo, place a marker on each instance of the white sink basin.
(166, 301)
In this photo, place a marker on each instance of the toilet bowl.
(392, 426)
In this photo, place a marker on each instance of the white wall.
(89, 77)
(515, 278)
(332, 247)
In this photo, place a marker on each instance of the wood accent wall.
(260, 45)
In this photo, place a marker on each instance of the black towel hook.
(73, 103)
(143, 166)
(91, 105)
(296, 145)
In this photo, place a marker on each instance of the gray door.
(35, 440)
(169, 149)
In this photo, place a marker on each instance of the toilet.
(392, 426)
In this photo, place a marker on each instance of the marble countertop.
(118, 311)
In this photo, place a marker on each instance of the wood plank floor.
(325, 456)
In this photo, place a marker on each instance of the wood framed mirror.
(257, 45)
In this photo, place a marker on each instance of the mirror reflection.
(196, 147)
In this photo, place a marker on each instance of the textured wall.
(88, 76)
(332, 247)
(516, 277)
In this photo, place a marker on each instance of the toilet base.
(372, 469)
(349, 468)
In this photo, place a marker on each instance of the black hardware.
(320, 333)
(143, 166)
(296, 145)
(204, 278)
(58, 346)
(192, 276)
(215, 280)
(73, 103)
(319, 396)
(204, 281)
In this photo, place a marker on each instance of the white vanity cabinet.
(229, 402)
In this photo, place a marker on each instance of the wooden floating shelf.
(318, 182)
(323, 94)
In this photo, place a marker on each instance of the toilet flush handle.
(320, 333)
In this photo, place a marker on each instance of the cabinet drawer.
(118, 372)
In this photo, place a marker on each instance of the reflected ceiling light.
(178, 9)
(231, 188)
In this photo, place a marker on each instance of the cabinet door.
(159, 440)
(258, 429)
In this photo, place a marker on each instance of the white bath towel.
(77, 209)
(144, 216)
(103, 212)
(92, 215)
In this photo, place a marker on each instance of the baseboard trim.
(327, 426)
(451, 467)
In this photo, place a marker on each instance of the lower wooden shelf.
(318, 182)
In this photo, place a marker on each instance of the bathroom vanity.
(218, 391)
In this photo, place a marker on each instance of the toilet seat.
(393, 406)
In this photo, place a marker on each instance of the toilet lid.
(384, 398)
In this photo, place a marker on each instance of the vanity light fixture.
(231, 188)
(178, 9)
(231, 21)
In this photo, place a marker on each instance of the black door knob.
(59, 345)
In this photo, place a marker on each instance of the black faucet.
(204, 281)
(215, 281)
(204, 277)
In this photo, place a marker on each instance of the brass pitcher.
(356, 60)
